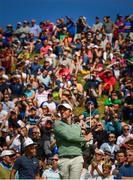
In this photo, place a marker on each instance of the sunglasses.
(126, 129)
(55, 159)
(111, 136)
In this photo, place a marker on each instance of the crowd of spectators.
(47, 64)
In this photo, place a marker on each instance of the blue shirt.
(27, 167)
(126, 171)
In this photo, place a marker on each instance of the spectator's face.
(107, 157)
(36, 133)
(130, 157)
(90, 106)
(129, 146)
(6, 98)
(114, 96)
(99, 127)
(106, 170)
(32, 112)
(55, 160)
(115, 107)
(13, 116)
(126, 130)
(97, 20)
(7, 160)
(98, 156)
(31, 150)
(24, 132)
(111, 138)
(121, 158)
(45, 109)
(41, 89)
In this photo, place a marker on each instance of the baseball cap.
(19, 23)
(2, 68)
(44, 105)
(7, 153)
(99, 151)
(50, 49)
(4, 130)
(28, 142)
(66, 105)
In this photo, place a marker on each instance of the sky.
(12, 11)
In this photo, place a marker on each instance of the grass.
(79, 110)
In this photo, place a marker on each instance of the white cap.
(95, 46)
(4, 76)
(21, 123)
(28, 142)
(7, 153)
(50, 49)
(66, 105)
(45, 104)
(100, 151)
(4, 130)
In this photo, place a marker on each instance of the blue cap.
(90, 102)
(2, 68)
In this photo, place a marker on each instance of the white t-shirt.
(121, 139)
(41, 97)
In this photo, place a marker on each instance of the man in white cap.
(68, 138)
(27, 165)
(6, 163)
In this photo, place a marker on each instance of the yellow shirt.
(4, 172)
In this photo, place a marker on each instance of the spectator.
(6, 163)
(27, 165)
(127, 108)
(110, 145)
(126, 171)
(108, 28)
(120, 161)
(96, 165)
(46, 132)
(125, 137)
(34, 29)
(98, 25)
(53, 172)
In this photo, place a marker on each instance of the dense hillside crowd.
(49, 70)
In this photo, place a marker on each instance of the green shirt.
(68, 138)
(110, 102)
